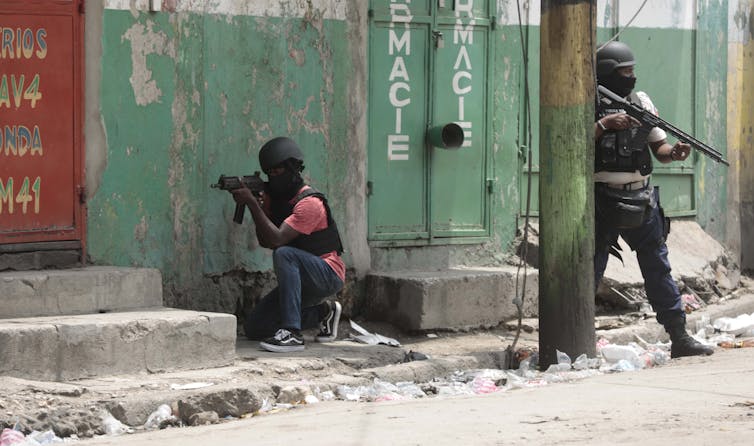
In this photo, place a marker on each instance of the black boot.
(682, 344)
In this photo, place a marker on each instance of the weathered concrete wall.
(191, 92)
(711, 113)
(178, 97)
(688, 36)
(740, 138)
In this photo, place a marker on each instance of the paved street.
(691, 401)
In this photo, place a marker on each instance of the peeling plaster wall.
(178, 97)
(711, 113)
(94, 130)
(740, 137)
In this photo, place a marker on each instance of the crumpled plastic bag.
(112, 426)
(9, 437)
(156, 418)
(735, 325)
(372, 338)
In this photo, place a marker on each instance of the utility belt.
(624, 206)
(636, 185)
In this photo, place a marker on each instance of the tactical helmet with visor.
(615, 62)
(612, 56)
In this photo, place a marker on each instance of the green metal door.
(428, 71)
(459, 176)
(399, 41)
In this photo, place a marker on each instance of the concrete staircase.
(452, 298)
(460, 298)
(70, 324)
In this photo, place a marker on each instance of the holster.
(623, 209)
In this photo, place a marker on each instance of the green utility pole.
(566, 188)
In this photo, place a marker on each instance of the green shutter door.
(428, 67)
(458, 177)
(398, 67)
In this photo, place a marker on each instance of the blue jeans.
(304, 282)
(648, 240)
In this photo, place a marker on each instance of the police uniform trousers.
(648, 240)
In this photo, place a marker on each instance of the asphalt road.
(691, 401)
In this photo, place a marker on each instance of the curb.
(244, 388)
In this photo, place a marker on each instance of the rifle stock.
(648, 119)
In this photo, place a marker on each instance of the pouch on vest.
(623, 209)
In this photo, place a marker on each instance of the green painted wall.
(740, 100)
(711, 113)
(671, 82)
(186, 97)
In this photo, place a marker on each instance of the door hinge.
(81, 6)
(81, 192)
(490, 185)
(369, 188)
(493, 22)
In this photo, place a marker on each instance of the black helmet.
(613, 55)
(278, 150)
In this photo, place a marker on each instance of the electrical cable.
(523, 254)
(625, 27)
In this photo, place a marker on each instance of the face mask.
(285, 185)
(620, 85)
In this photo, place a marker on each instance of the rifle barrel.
(648, 118)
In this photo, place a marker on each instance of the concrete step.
(78, 291)
(455, 298)
(63, 348)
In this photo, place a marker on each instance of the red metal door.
(41, 143)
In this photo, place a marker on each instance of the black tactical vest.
(622, 150)
(318, 242)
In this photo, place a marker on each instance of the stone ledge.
(456, 298)
(78, 291)
(65, 348)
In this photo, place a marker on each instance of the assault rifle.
(231, 183)
(649, 120)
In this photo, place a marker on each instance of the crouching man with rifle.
(626, 130)
(294, 220)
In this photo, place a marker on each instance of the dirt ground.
(258, 378)
(692, 401)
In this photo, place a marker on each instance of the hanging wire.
(519, 299)
(625, 27)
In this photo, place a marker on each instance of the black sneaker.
(328, 328)
(283, 341)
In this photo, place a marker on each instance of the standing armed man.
(294, 220)
(625, 203)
